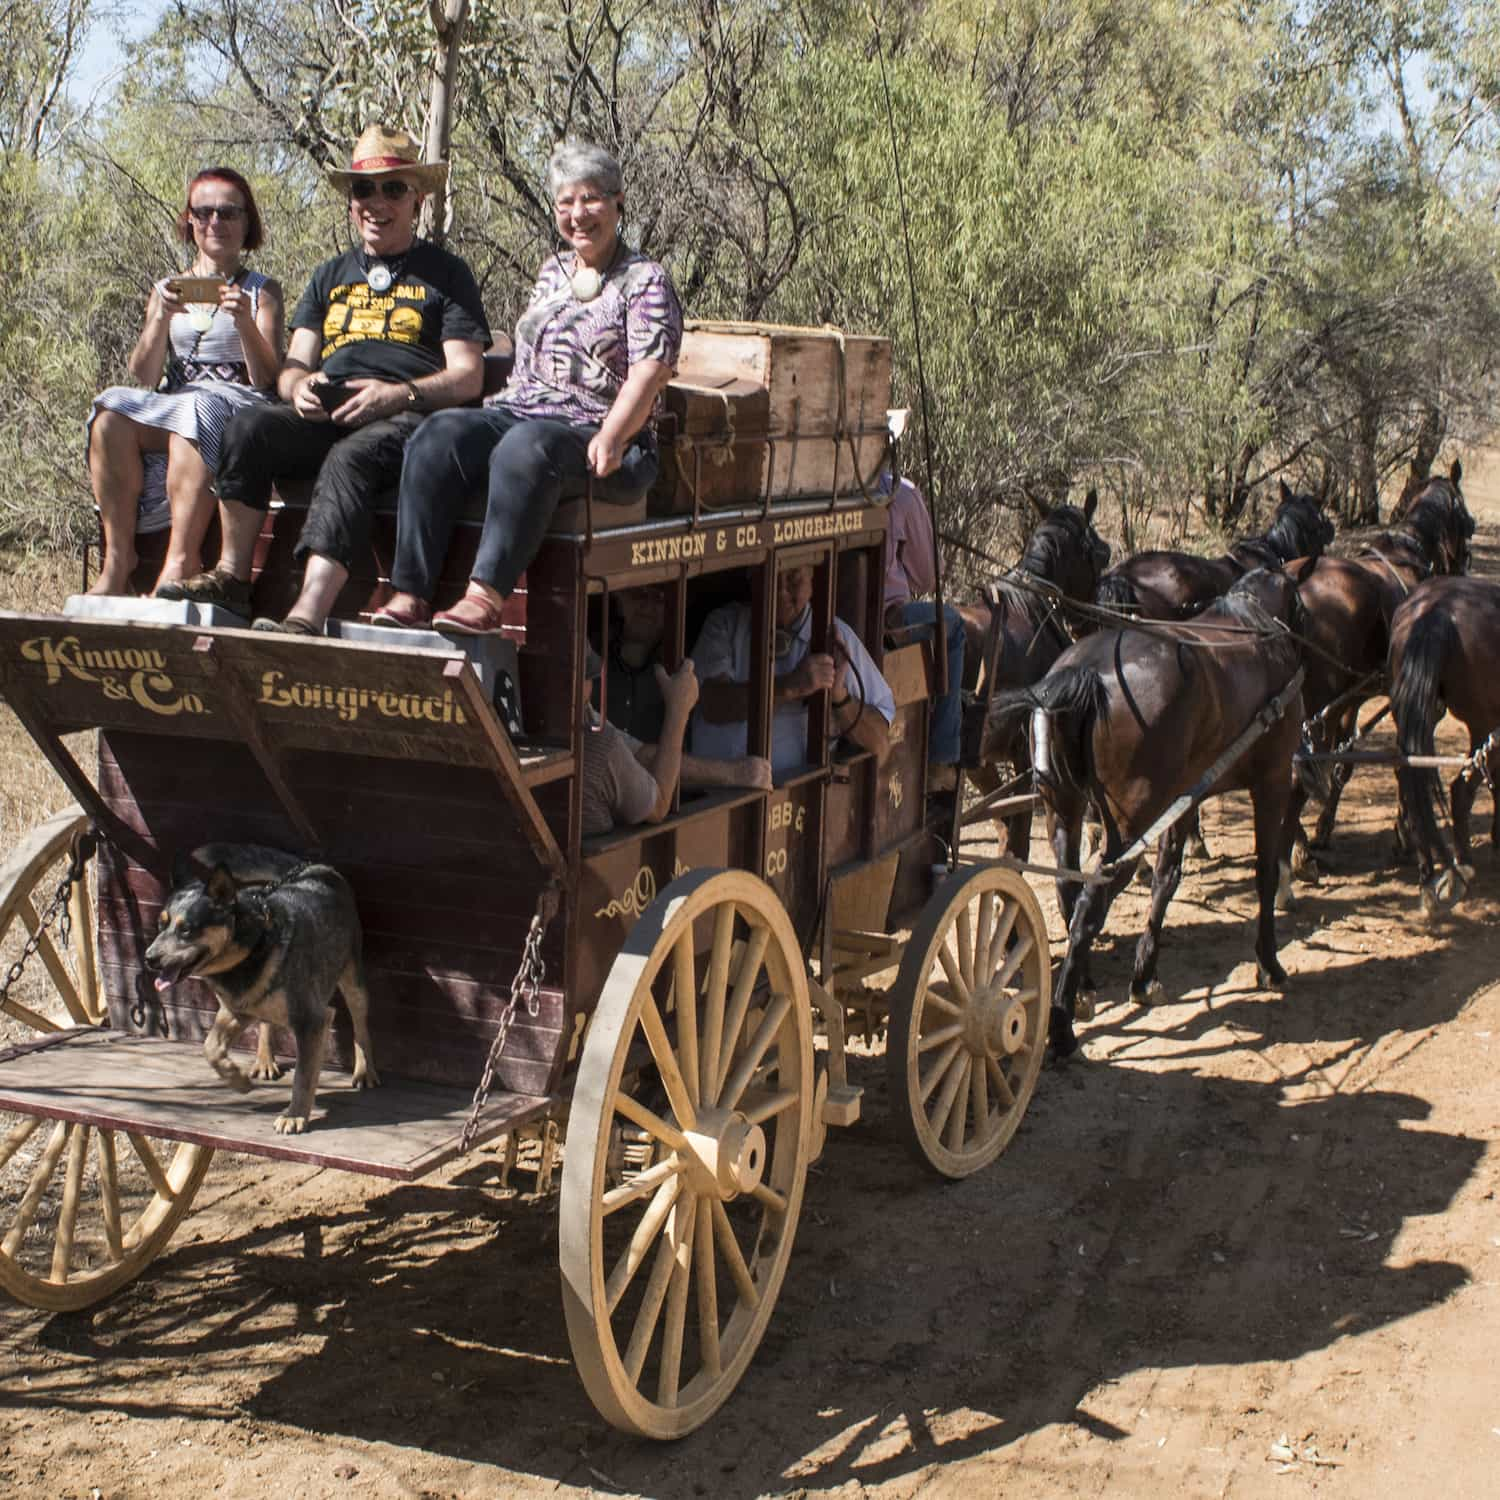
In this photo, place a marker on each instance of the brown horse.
(1445, 639)
(1177, 585)
(1012, 639)
(1132, 720)
(1350, 604)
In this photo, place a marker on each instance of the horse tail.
(1116, 591)
(1417, 705)
(1062, 708)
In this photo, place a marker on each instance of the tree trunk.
(448, 18)
(1429, 440)
(1366, 498)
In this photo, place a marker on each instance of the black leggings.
(527, 464)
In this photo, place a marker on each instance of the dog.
(273, 937)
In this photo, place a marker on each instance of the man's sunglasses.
(392, 188)
(226, 213)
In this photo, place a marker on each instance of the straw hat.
(382, 153)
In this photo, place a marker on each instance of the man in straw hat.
(386, 332)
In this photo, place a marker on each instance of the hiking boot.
(214, 587)
(289, 626)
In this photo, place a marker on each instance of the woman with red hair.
(152, 451)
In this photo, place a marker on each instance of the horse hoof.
(1153, 994)
(1084, 1005)
(1270, 976)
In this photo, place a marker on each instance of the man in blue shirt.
(861, 703)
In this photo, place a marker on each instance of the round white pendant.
(587, 283)
(379, 276)
(200, 316)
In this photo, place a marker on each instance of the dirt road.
(1249, 1245)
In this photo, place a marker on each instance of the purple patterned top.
(572, 357)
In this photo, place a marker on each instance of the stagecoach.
(669, 1005)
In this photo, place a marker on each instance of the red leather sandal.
(472, 615)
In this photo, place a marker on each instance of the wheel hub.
(726, 1154)
(996, 1022)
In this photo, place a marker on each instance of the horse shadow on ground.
(1137, 1221)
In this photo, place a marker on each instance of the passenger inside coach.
(627, 779)
(633, 698)
(861, 705)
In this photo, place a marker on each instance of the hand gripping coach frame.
(686, 1041)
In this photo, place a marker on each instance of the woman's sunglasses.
(392, 188)
(226, 213)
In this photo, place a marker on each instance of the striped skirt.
(199, 412)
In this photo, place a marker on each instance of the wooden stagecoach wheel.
(724, 1086)
(968, 1026)
(83, 1209)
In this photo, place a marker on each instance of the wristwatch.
(413, 395)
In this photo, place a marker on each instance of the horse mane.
(1294, 530)
(1241, 606)
(1049, 543)
(1427, 522)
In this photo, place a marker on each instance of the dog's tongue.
(165, 981)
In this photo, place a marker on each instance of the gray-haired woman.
(596, 344)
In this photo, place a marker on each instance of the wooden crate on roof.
(761, 411)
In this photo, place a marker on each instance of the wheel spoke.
(762, 1192)
(936, 994)
(714, 997)
(1018, 956)
(52, 962)
(981, 1099)
(82, 912)
(685, 1001)
(680, 1230)
(31, 1200)
(24, 1129)
(1000, 937)
(640, 1186)
(749, 1061)
(637, 1113)
(1002, 1084)
(955, 978)
(109, 1194)
(26, 1016)
(951, 1092)
(142, 1148)
(982, 935)
(934, 1075)
(729, 1248)
(739, 1004)
(964, 937)
(706, 1292)
(760, 1108)
(642, 1240)
(666, 1063)
(62, 1246)
(645, 1320)
(943, 1034)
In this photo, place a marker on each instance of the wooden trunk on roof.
(763, 412)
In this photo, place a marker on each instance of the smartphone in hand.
(333, 394)
(196, 288)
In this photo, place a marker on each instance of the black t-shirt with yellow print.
(397, 334)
